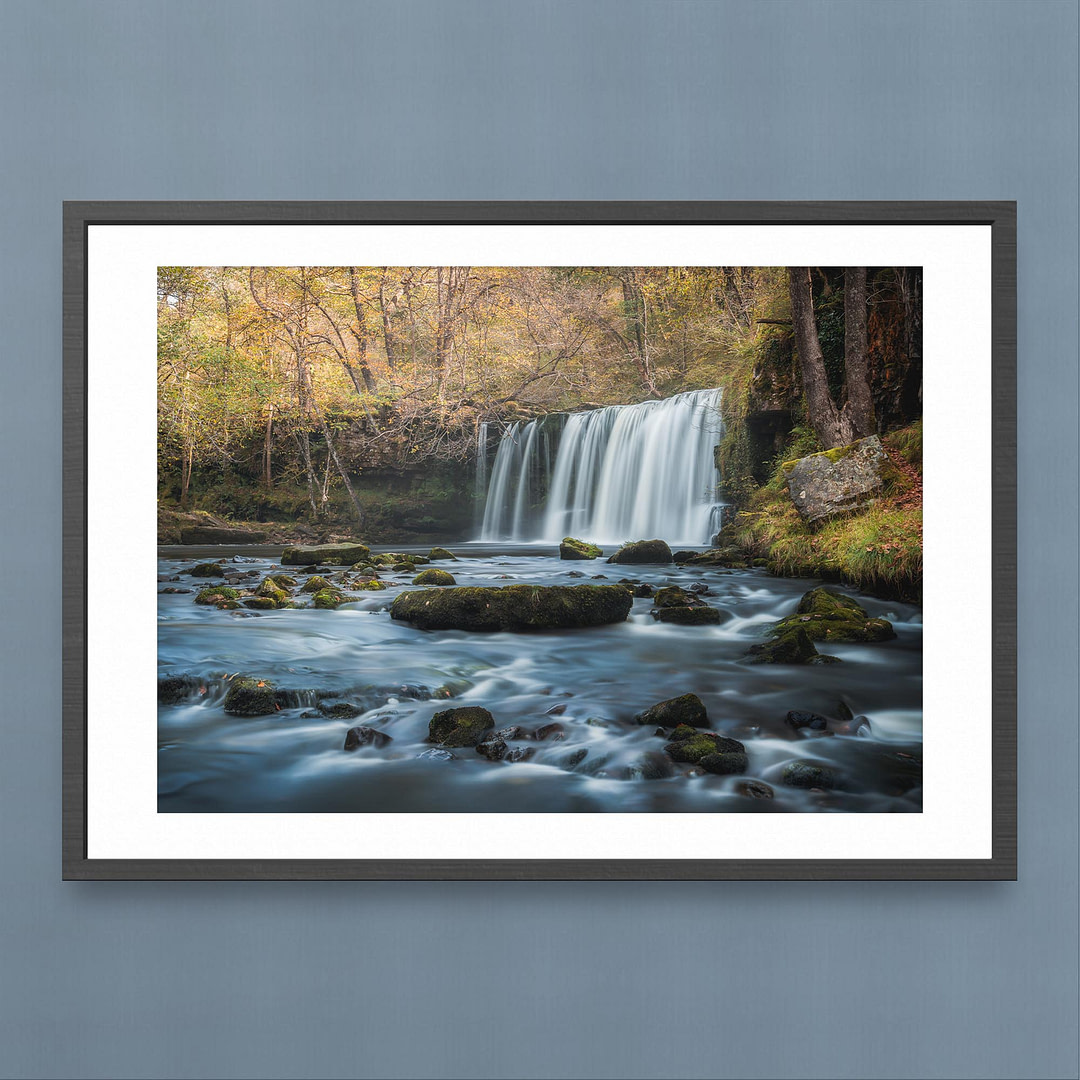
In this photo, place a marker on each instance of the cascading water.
(626, 472)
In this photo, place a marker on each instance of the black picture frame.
(1000, 216)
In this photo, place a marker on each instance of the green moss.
(572, 548)
(283, 581)
(432, 576)
(215, 595)
(825, 615)
(325, 555)
(791, 647)
(460, 727)
(270, 590)
(716, 753)
(328, 598)
(260, 603)
(700, 615)
(250, 697)
(315, 584)
(374, 585)
(208, 569)
(513, 607)
(441, 553)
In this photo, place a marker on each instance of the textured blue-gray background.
(572, 100)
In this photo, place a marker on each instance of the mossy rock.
(826, 615)
(328, 598)
(270, 590)
(374, 585)
(791, 647)
(672, 596)
(250, 697)
(419, 560)
(208, 569)
(315, 584)
(441, 553)
(216, 595)
(643, 551)
(571, 548)
(729, 558)
(206, 534)
(403, 567)
(714, 753)
(514, 607)
(261, 603)
(325, 555)
(687, 709)
(433, 576)
(282, 581)
(460, 727)
(341, 710)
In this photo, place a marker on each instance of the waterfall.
(626, 472)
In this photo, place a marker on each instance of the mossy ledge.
(514, 607)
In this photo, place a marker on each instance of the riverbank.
(878, 549)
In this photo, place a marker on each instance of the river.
(591, 682)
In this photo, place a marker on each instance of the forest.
(335, 398)
(540, 539)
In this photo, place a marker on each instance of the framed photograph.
(539, 540)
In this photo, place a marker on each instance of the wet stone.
(365, 736)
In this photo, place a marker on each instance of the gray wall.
(575, 100)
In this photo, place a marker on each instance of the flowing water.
(626, 472)
(591, 682)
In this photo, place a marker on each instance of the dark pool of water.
(596, 680)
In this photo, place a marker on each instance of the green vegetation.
(878, 548)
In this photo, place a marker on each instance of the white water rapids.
(625, 472)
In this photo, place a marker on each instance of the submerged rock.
(436, 754)
(325, 555)
(823, 485)
(686, 709)
(553, 731)
(492, 748)
(356, 737)
(643, 551)
(341, 710)
(571, 548)
(433, 576)
(754, 789)
(826, 615)
(250, 697)
(810, 774)
(520, 753)
(173, 689)
(460, 727)
(514, 607)
(799, 721)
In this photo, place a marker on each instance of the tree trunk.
(831, 428)
(360, 333)
(268, 475)
(860, 404)
(389, 337)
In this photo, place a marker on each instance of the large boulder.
(570, 548)
(210, 534)
(826, 615)
(514, 607)
(325, 555)
(643, 551)
(835, 481)
(460, 727)
(441, 553)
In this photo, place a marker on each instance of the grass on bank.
(878, 549)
